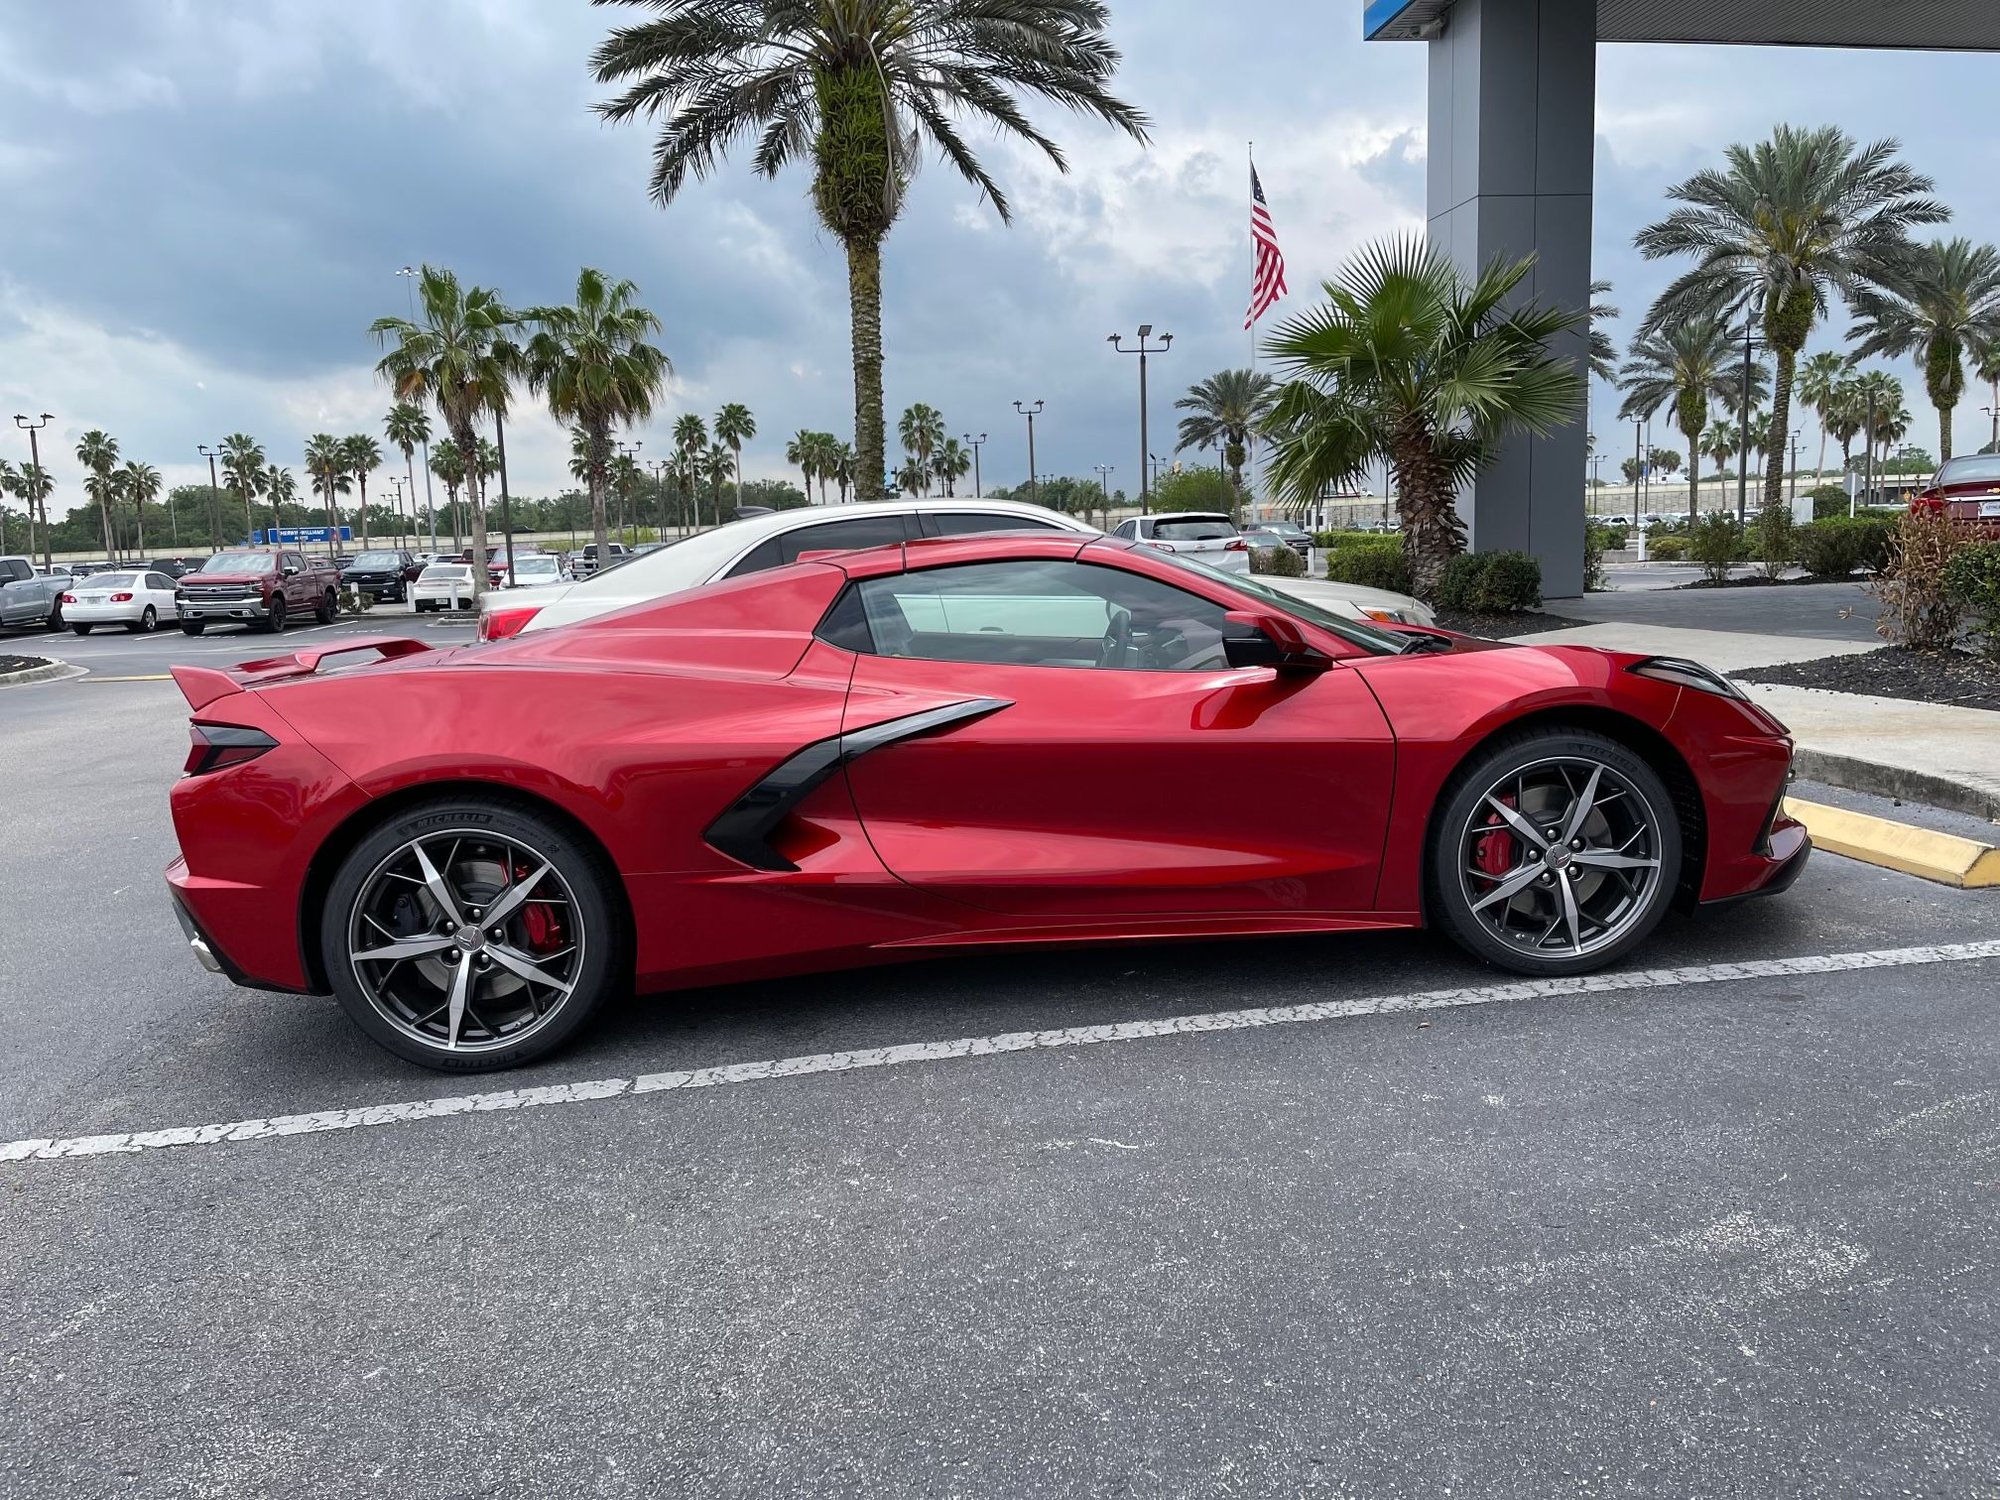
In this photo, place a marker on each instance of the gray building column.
(1513, 99)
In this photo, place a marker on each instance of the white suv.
(1207, 536)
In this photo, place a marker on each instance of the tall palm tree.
(448, 463)
(1719, 445)
(10, 484)
(282, 490)
(455, 357)
(1877, 394)
(1413, 364)
(1792, 219)
(951, 463)
(735, 426)
(861, 88)
(595, 364)
(326, 464)
(1942, 306)
(826, 460)
(139, 483)
(1686, 368)
(1820, 378)
(34, 485)
(800, 453)
(1603, 352)
(715, 468)
(912, 478)
(1845, 410)
(363, 456)
(690, 439)
(97, 451)
(1225, 412)
(243, 464)
(407, 427)
(842, 456)
(921, 430)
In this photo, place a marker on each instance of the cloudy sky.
(208, 201)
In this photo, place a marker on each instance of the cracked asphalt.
(1724, 1239)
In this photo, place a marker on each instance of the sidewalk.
(1919, 752)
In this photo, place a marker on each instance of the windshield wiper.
(1418, 645)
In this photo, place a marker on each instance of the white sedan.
(140, 601)
(442, 585)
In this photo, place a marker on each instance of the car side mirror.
(1251, 639)
(288, 571)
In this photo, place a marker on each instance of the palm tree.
(1845, 410)
(448, 463)
(922, 432)
(843, 469)
(734, 426)
(455, 358)
(715, 467)
(826, 460)
(690, 439)
(1719, 444)
(34, 485)
(282, 489)
(800, 452)
(1685, 368)
(1603, 353)
(1877, 394)
(1225, 412)
(1410, 363)
(595, 364)
(1794, 218)
(1942, 306)
(859, 87)
(97, 451)
(951, 463)
(406, 426)
(912, 477)
(1820, 379)
(139, 483)
(326, 464)
(243, 464)
(363, 456)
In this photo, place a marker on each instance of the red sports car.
(963, 743)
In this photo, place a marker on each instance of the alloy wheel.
(466, 942)
(1561, 858)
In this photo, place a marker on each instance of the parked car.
(1355, 601)
(586, 561)
(496, 565)
(30, 597)
(1279, 533)
(261, 590)
(140, 600)
(382, 575)
(1011, 724)
(1967, 488)
(442, 585)
(531, 568)
(174, 567)
(1210, 536)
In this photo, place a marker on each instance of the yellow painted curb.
(1924, 852)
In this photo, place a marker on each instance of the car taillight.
(499, 624)
(69, 598)
(121, 598)
(216, 747)
(1162, 546)
(1236, 544)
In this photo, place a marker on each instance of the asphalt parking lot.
(1718, 1226)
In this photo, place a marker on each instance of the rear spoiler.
(201, 686)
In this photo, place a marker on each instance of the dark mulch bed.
(1756, 581)
(1502, 627)
(20, 663)
(1955, 677)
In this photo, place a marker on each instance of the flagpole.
(1250, 151)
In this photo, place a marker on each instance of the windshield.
(1202, 529)
(112, 581)
(446, 570)
(377, 560)
(1382, 642)
(239, 562)
(535, 565)
(1973, 468)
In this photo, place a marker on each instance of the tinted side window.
(967, 523)
(766, 554)
(1127, 529)
(845, 535)
(158, 581)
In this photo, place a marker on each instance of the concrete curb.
(51, 671)
(1923, 852)
(1878, 780)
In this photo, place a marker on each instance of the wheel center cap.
(471, 937)
(1559, 860)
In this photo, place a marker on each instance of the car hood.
(204, 578)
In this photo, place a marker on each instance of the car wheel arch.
(364, 820)
(1635, 735)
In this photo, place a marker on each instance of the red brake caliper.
(541, 922)
(1494, 854)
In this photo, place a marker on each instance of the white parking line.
(371, 1115)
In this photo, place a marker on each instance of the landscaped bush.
(1596, 539)
(1374, 562)
(1665, 548)
(1775, 539)
(1828, 500)
(1972, 581)
(1716, 542)
(1491, 583)
(1281, 562)
(1916, 609)
(1838, 545)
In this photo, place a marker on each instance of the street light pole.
(1104, 473)
(1116, 341)
(1030, 413)
(1638, 465)
(626, 450)
(214, 499)
(975, 443)
(659, 468)
(1868, 437)
(34, 486)
(1795, 469)
(1743, 433)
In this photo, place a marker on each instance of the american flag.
(1269, 284)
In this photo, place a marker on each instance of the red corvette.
(962, 743)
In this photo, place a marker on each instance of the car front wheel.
(469, 935)
(274, 622)
(193, 627)
(80, 629)
(1556, 852)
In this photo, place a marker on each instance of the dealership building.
(1512, 135)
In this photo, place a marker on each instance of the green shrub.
(1972, 581)
(1775, 539)
(1716, 541)
(1917, 609)
(1828, 500)
(1281, 562)
(1491, 583)
(1595, 540)
(1665, 548)
(1378, 565)
(1838, 545)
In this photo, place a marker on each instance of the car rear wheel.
(148, 621)
(1556, 852)
(328, 608)
(193, 627)
(470, 935)
(80, 629)
(55, 620)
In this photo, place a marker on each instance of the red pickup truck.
(262, 590)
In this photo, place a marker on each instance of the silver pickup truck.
(28, 597)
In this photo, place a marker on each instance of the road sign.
(1853, 484)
